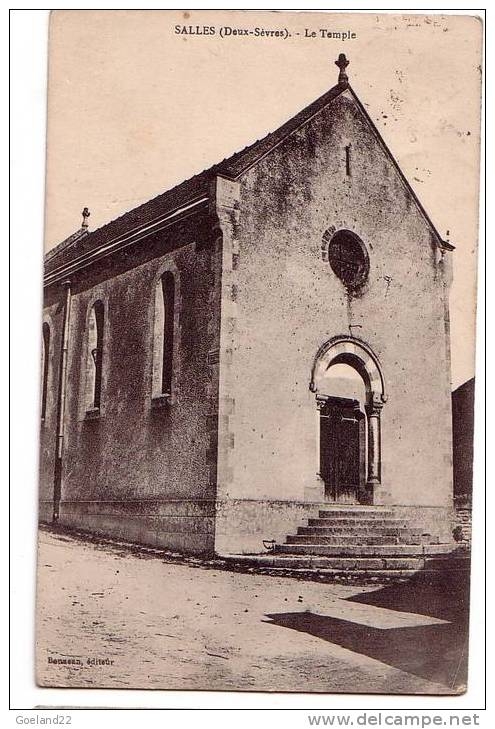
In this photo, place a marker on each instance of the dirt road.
(108, 617)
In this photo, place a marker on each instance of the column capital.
(321, 401)
(375, 405)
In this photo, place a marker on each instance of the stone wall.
(462, 435)
(288, 302)
(231, 459)
(462, 524)
(143, 469)
(53, 316)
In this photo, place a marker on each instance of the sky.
(135, 107)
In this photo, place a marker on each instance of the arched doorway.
(350, 394)
(343, 432)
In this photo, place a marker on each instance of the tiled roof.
(186, 191)
(66, 243)
(196, 187)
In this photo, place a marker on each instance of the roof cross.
(342, 64)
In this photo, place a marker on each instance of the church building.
(257, 358)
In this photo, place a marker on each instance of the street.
(110, 616)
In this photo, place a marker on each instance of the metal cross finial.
(342, 64)
(85, 213)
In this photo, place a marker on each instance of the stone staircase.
(359, 538)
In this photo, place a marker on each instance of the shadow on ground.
(434, 652)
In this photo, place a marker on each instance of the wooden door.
(340, 451)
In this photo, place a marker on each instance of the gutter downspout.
(57, 481)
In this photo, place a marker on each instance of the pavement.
(111, 616)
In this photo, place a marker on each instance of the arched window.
(45, 358)
(94, 359)
(163, 335)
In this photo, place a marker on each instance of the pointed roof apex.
(195, 191)
(342, 64)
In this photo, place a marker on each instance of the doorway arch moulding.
(344, 349)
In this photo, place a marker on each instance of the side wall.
(288, 303)
(143, 470)
(53, 316)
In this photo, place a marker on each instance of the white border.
(28, 49)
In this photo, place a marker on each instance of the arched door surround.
(356, 353)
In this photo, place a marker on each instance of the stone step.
(446, 562)
(358, 531)
(354, 565)
(360, 567)
(349, 539)
(346, 512)
(363, 523)
(361, 550)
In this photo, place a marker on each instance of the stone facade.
(141, 468)
(232, 457)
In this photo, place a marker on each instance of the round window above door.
(348, 258)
